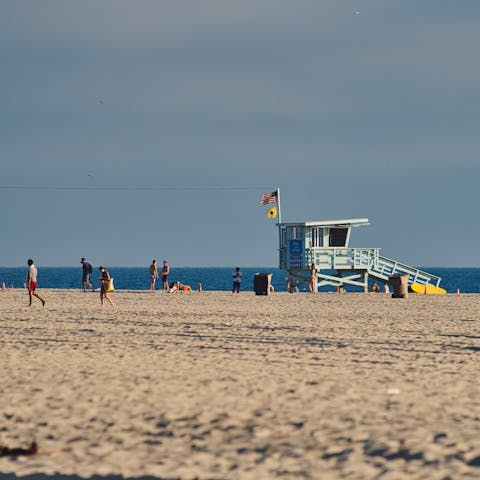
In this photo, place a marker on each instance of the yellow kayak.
(430, 289)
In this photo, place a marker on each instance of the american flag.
(268, 198)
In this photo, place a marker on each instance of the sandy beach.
(218, 386)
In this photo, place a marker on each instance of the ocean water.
(211, 278)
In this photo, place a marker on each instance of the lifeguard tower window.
(338, 237)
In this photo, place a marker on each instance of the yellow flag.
(272, 212)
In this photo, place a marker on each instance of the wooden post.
(365, 282)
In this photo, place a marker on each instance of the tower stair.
(384, 267)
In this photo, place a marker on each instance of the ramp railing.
(385, 267)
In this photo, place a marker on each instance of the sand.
(219, 386)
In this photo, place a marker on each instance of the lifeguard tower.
(326, 244)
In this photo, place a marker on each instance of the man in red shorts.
(32, 282)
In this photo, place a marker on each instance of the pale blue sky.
(355, 108)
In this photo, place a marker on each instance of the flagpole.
(279, 228)
(279, 207)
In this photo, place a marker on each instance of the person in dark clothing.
(87, 270)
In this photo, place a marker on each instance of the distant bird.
(357, 13)
(101, 101)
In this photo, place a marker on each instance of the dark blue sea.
(211, 278)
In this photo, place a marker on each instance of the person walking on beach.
(165, 272)
(87, 270)
(32, 282)
(104, 286)
(312, 284)
(237, 280)
(153, 274)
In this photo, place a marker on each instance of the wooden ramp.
(385, 267)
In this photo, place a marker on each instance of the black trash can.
(399, 284)
(262, 283)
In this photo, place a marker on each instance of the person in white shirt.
(32, 282)
(237, 280)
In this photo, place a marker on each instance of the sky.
(140, 130)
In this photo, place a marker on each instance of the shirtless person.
(153, 274)
(165, 272)
(32, 282)
(312, 284)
